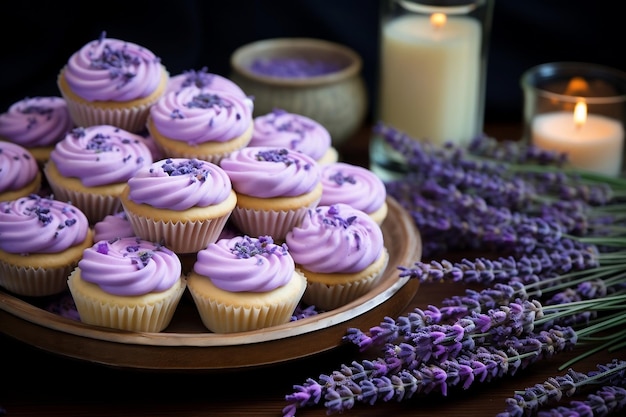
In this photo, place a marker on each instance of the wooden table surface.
(38, 383)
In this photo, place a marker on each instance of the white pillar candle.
(595, 145)
(430, 77)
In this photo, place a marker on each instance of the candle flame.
(438, 19)
(580, 114)
(577, 86)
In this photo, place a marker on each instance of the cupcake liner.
(212, 152)
(180, 237)
(228, 317)
(195, 153)
(34, 282)
(95, 206)
(132, 119)
(222, 318)
(152, 316)
(275, 223)
(329, 297)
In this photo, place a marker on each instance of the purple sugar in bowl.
(312, 77)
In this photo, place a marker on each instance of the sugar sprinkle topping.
(200, 79)
(340, 179)
(138, 256)
(250, 247)
(196, 169)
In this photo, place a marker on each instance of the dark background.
(39, 36)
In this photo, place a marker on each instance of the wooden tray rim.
(398, 221)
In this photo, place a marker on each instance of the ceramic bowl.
(333, 94)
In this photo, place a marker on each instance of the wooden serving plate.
(187, 345)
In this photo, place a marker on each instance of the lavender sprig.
(527, 402)
(557, 236)
(607, 400)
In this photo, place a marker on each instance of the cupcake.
(275, 187)
(41, 242)
(243, 283)
(340, 251)
(19, 172)
(281, 129)
(36, 124)
(203, 124)
(182, 203)
(91, 166)
(114, 82)
(127, 284)
(355, 186)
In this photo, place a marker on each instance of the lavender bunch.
(469, 199)
(396, 376)
(557, 278)
(421, 353)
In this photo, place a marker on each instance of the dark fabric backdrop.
(39, 36)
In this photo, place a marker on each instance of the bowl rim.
(243, 55)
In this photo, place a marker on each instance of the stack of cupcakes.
(134, 185)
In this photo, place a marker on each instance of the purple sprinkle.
(340, 179)
(200, 79)
(102, 248)
(194, 168)
(207, 101)
(176, 114)
(276, 155)
(262, 246)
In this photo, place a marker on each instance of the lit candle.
(592, 142)
(430, 76)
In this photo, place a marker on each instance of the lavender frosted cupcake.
(127, 284)
(203, 124)
(275, 187)
(182, 203)
(340, 251)
(112, 81)
(355, 186)
(243, 283)
(41, 242)
(281, 129)
(90, 168)
(19, 172)
(36, 124)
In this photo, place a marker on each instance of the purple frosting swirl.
(36, 224)
(281, 129)
(353, 185)
(244, 263)
(130, 266)
(271, 172)
(180, 184)
(336, 239)
(101, 155)
(203, 80)
(18, 167)
(113, 226)
(37, 121)
(198, 117)
(110, 69)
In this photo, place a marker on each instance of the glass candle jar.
(578, 109)
(432, 72)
